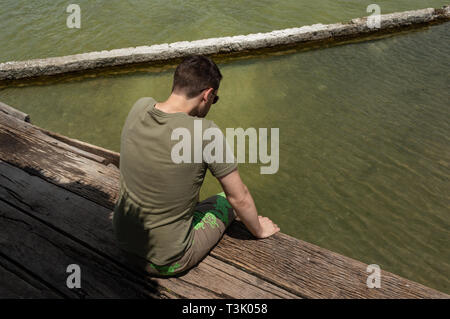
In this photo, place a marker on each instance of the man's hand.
(268, 227)
(242, 202)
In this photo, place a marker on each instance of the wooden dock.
(56, 197)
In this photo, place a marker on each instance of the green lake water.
(364, 127)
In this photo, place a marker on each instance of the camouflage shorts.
(211, 218)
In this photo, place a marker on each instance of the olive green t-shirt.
(154, 212)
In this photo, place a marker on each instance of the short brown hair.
(195, 73)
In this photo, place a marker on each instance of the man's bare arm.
(242, 202)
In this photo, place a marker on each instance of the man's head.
(198, 79)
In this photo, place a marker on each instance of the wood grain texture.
(6, 109)
(96, 153)
(15, 283)
(89, 223)
(24, 146)
(106, 156)
(47, 253)
(228, 281)
(309, 270)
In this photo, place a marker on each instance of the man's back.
(153, 216)
(158, 221)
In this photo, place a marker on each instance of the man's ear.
(207, 93)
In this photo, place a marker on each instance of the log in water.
(304, 36)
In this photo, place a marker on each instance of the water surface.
(37, 29)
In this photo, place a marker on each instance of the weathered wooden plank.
(31, 130)
(231, 282)
(52, 141)
(17, 284)
(57, 206)
(309, 270)
(47, 253)
(90, 222)
(24, 146)
(6, 109)
(107, 157)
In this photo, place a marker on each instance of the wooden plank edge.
(110, 157)
(9, 110)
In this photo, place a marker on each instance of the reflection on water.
(364, 142)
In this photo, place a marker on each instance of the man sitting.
(158, 221)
